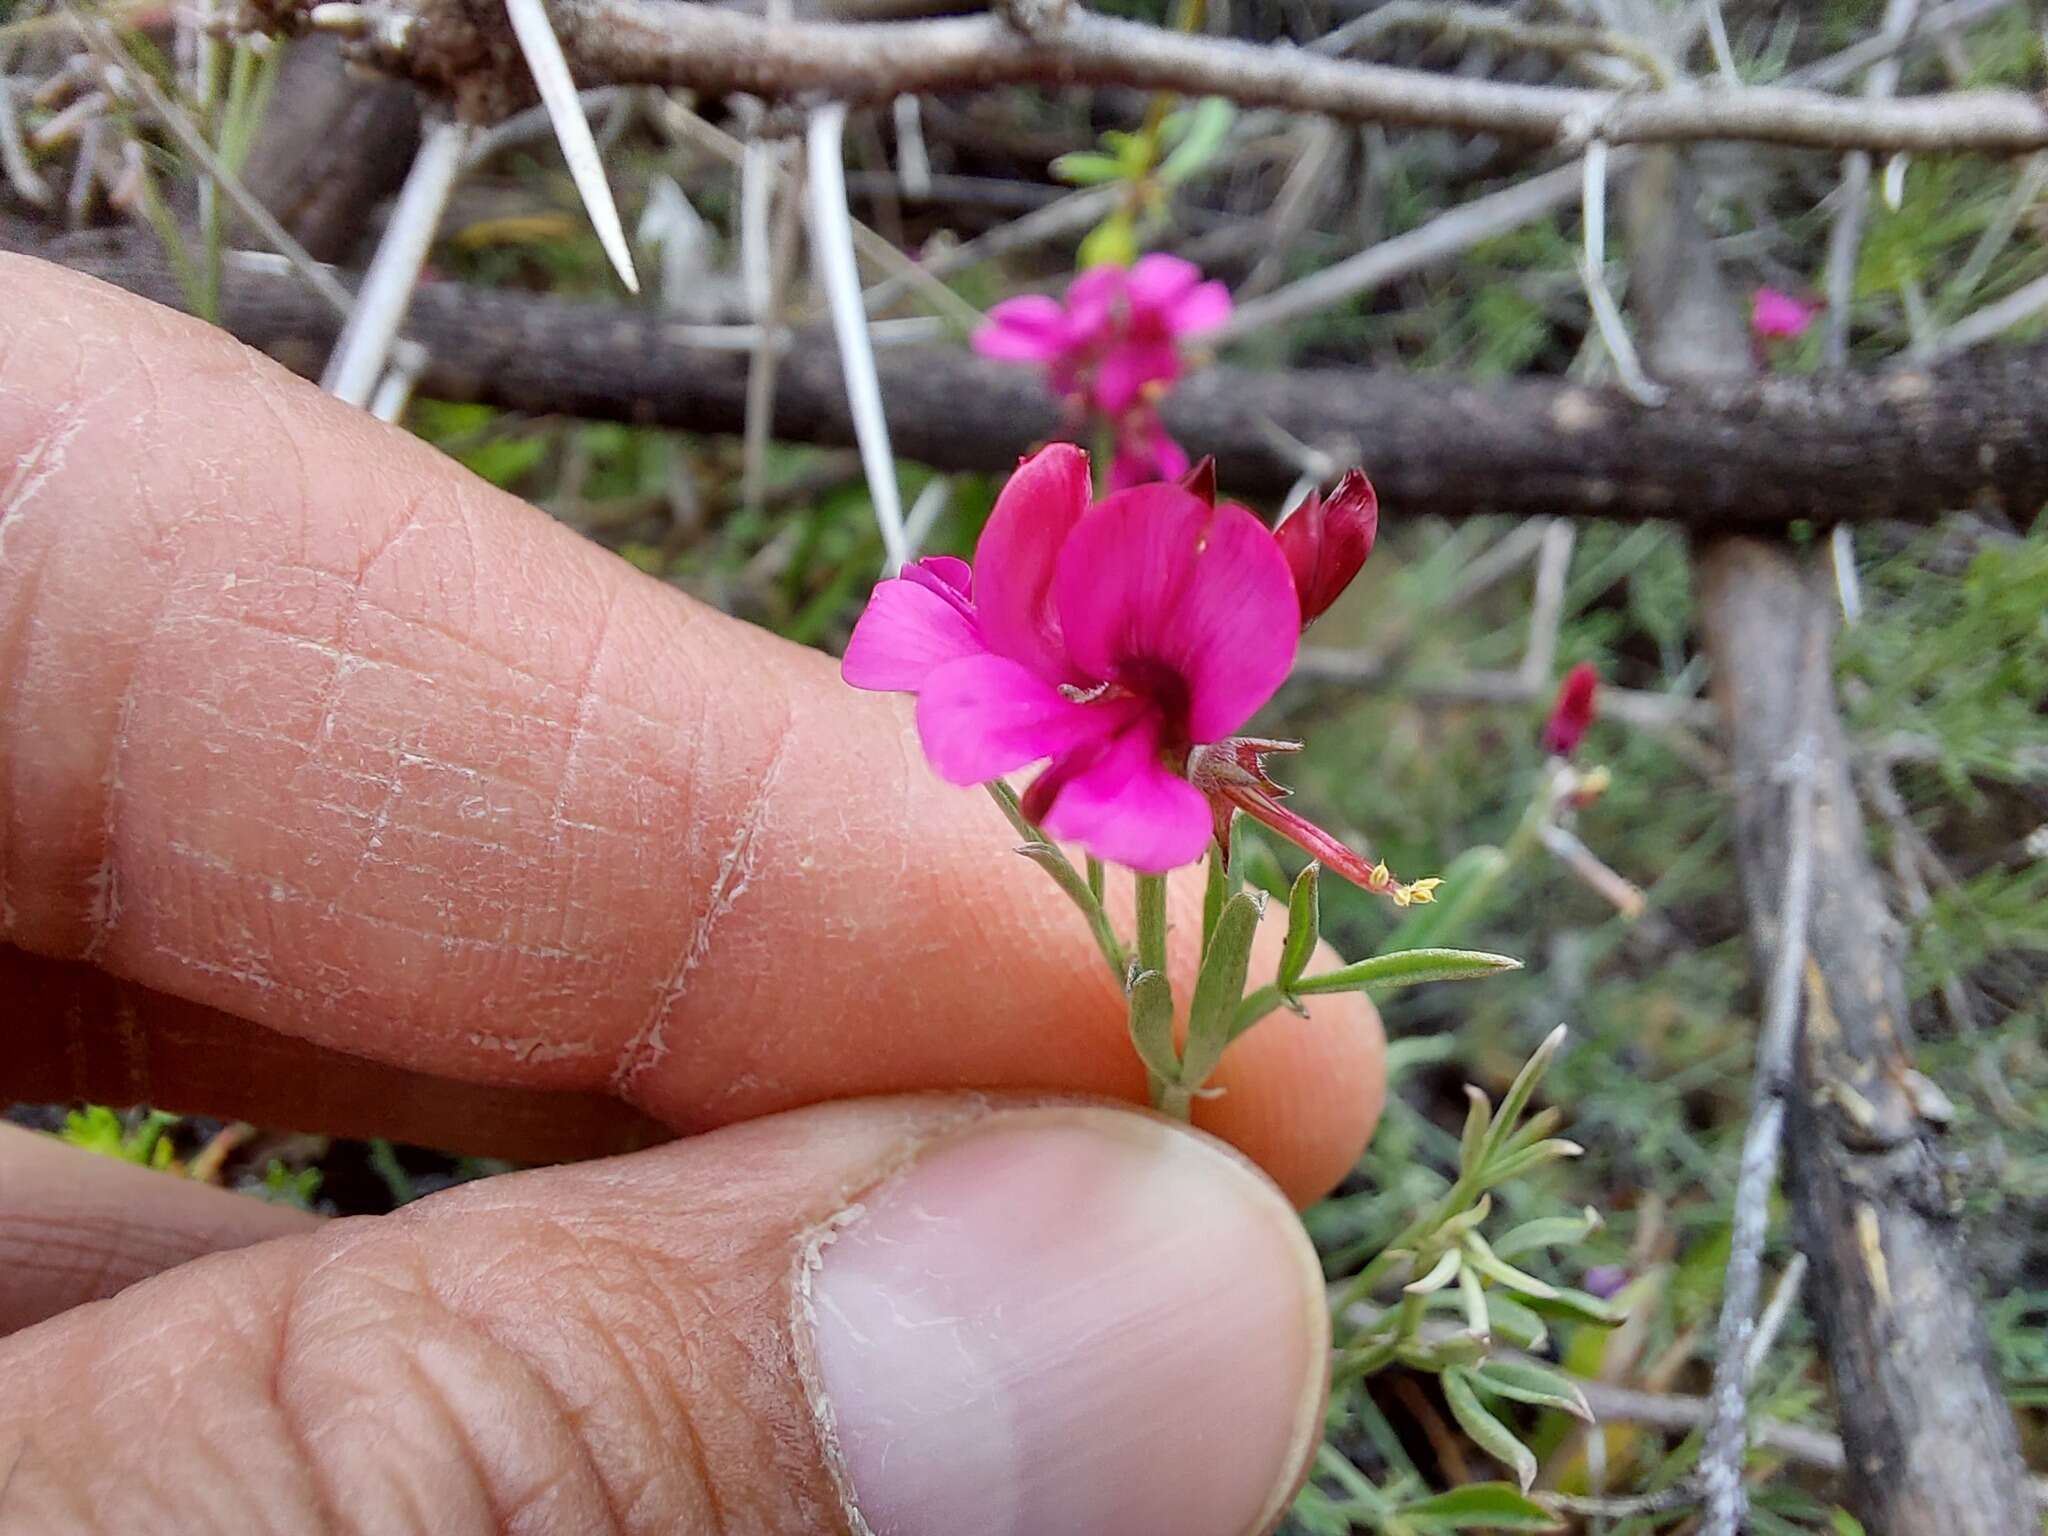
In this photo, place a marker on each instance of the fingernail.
(1069, 1320)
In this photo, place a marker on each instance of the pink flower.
(1146, 452)
(1327, 542)
(1573, 711)
(1122, 643)
(1778, 316)
(1110, 639)
(1117, 336)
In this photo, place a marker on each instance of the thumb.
(895, 1316)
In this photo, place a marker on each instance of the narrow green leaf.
(1472, 1297)
(1534, 1129)
(1578, 1305)
(1519, 1092)
(1547, 1232)
(1219, 988)
(1304, 927)
(1524, 1381)
(1478, 1116)
(1152, 1025)
(1514, 1323)
(1200, 132)
(1480, 1507)
(1441, 1274)
(1087, 168)
(1482, 1258)
(1408, 968)
(1487, 1432)
(1515, 1164)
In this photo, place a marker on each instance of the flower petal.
(1123, 805)
(1203, 308)
(1158, 282)
(945, 576)
(986, 715)
(1128, 368)
(944, 570)
(906, 633)
(1092, 300)
(1145, 452)
(1028, 329)
(1018, 553)
(1152, 579)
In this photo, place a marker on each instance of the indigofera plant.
(1123, 643)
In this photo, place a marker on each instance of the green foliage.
(283, 1185)
(144, 1142)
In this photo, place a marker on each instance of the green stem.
(1407, 1239)
(1168, 1098)
(1085, 893)
(1152, 923)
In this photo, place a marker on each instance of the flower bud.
(1572, 712)
(1201, 480)
(1326, 542)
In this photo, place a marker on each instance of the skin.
(339, 790)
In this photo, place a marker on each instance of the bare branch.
(716, 50)
(1720, 1469)
(1755, 453)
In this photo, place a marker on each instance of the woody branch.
(441, 44)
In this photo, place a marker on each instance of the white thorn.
(832, 243)
(550, 69)
(364, 346)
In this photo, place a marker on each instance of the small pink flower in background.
(1573, 712)
(1144, 451)
(1122, 643)
(1327, 542)
(1778, 316)
(1113, 347)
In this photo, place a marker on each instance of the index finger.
(305, 724)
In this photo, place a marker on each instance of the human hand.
(340, 791)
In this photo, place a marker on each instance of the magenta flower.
(1121, 643)
(1778, 316)
(1110, 639)
(1115, 342)
(1572, 714)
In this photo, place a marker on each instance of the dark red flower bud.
(1202, 479)
(1572, 712)
(1326, 542)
